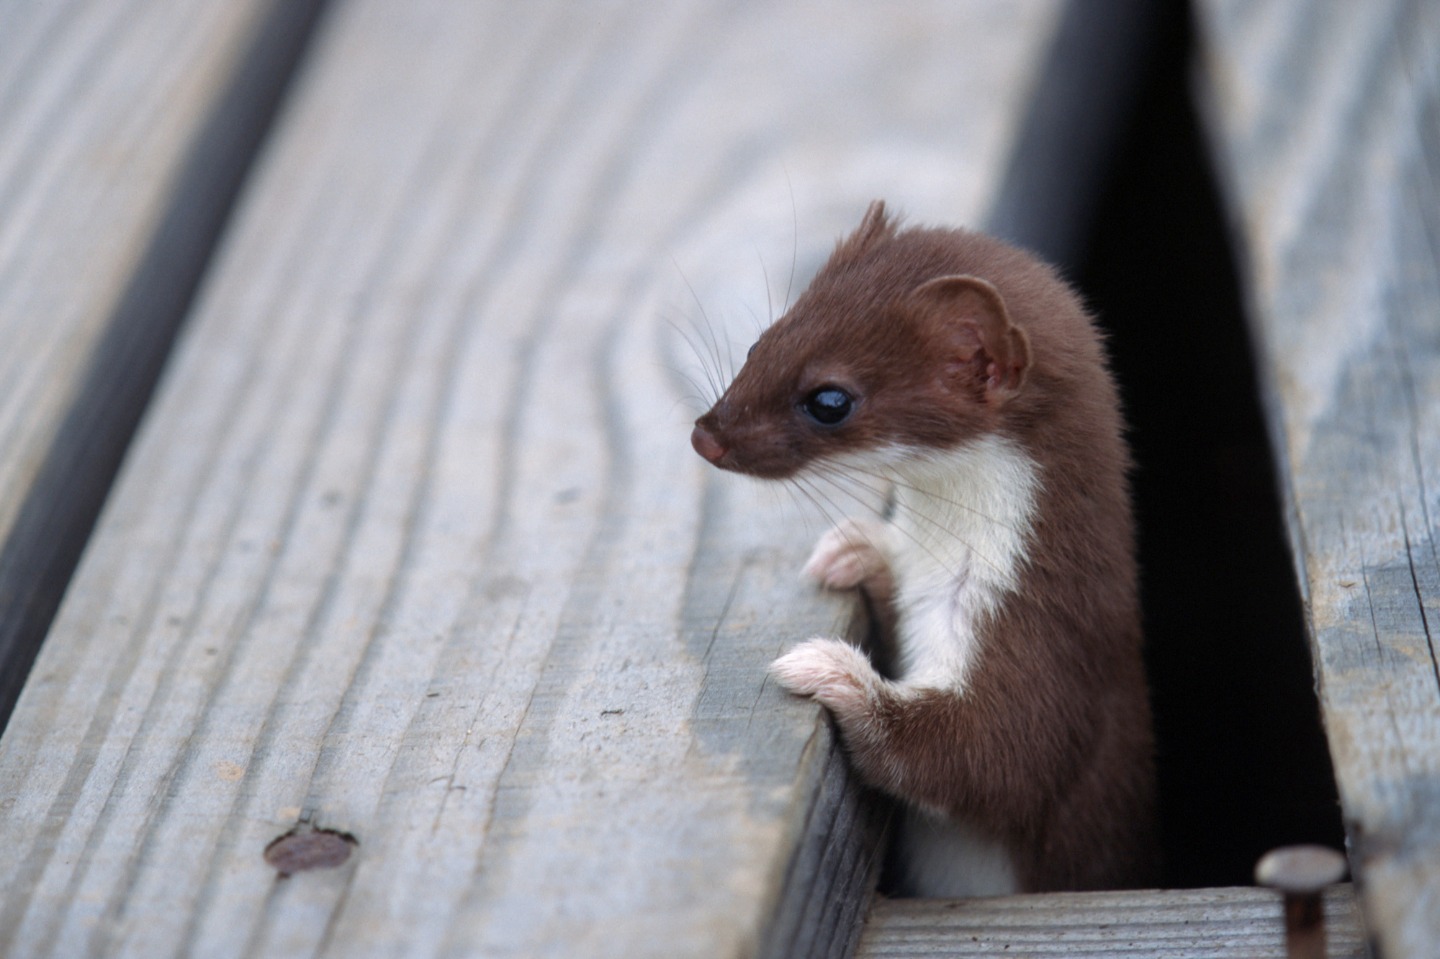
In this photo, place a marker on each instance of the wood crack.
(1420, 604)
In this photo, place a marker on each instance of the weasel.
(966, 377)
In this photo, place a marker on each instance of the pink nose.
(706, 445)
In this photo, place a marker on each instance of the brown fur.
(942, 336)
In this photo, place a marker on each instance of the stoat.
(964, 375)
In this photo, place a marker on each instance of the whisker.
(794, 235)
(930, 494)
(717, 361)
(765, 274)
(713, 338)
(834, 479)
(729, 360)
(698, 394)
(797, 491)
(826, 506)
(692, 335)
(811, 478)
(841, 526)
(757, 324)
(712, 376)
(692, 403)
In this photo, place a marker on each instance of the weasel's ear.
(876, 226)
(978, 331)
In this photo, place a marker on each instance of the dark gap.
(1243, 760)
(56, 519)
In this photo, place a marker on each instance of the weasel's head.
(892, 351)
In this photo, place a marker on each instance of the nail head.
(302, 849)
(1300, 869)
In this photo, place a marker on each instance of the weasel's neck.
(969, 510)
(963, 519)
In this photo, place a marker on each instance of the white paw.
(836, 674)
(848, 555)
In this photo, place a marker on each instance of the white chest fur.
(950, 859)
(959, 536)
(960, 533)
(954, 547)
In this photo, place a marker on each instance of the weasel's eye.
(751, 352)
(828, 405)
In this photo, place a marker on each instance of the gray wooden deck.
(410, 544)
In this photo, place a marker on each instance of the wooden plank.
(125, 128)
(1230, 923)
(412, 544)
(1327, 124)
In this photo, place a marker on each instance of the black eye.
(751, 352)
(828, 405)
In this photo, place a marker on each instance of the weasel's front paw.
(836, 674)
(849, 556)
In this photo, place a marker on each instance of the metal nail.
(1302, 873)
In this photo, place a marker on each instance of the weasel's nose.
(706, 444)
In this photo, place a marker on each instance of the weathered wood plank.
(125, 128)
(1327, 123)
(1233, 923)
(412, 544)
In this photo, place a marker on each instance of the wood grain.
(1327, 125)
(412, 545)
(1230, 923)
(125, 128)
